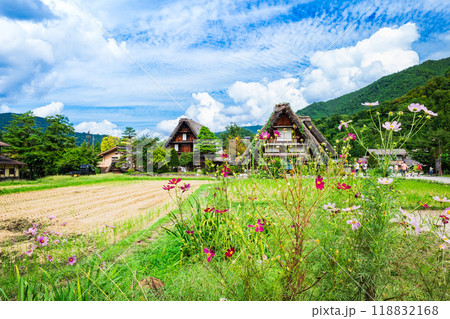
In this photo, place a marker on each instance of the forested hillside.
(385, 89)
(424, 147)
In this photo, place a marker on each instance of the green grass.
(415, 191)
(9, 187)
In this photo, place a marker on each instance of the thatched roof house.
(298, 137)
(9, 168)
(183, 136)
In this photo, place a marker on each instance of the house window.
(176, 147)
(285, 134)
(12, 171)
(184, 136)
(115, 158)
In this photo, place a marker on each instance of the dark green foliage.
(73, 157)
(174, 162)
(186, 159)
(387, 88)
(232, 131)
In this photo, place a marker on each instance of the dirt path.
(84, 208)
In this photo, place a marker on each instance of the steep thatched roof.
(7, 161)
(394, 151)
(314, 138)
(2, 144)
(194, 126)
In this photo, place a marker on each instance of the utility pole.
(440, 158)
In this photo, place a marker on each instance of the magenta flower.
(258, 226)
(49, 258)
(351, 136)
(230, 252)
(394, 126)
(174, 181)
(343, 186)
(168, 187)
(276, 133)
(264, 136)
(224, 155)
(444, 219)
(355, 224)
(415, 107)
(225, 171)
(221, 211)
(43, 240)
(370, 103)
(72, 260)
(320, 183)
(190, 232)
(209, 253)
(185, 188)
(344, 124)
(208, 210)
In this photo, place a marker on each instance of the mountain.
(5, 118)
(387, 88)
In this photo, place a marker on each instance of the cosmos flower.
(185, 187)
(406, 214)
(329, 206)
(343, 186)
(190, 232)
(429, 112)
(385, 180)
(258, 226)
(447, 211)
(344, 124)
(72, 260)
(445, 238)
(208, 210)
(415, 107)
(103, 266)
(444, 219)
(43, 241)
(168, 187)
(64, 224)
(351, 136)
(218, 211)
(370, 103)
(394, 126)
(352, 208)
(225, 171)
(442, 246)
(110, 226)
(264, 136)
(30, 251)
(319, 182)
(49, 258)
(31, 231)
(276, 133)
(230, 252)
(224, 155)
(355, 224)
(174, 181)
(51, 217)
(442, 200)
(209, 253)
(416, 226)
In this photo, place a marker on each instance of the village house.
(297, 137)
(183, 137)
(397, 155)
(9, 168)
(110, 158)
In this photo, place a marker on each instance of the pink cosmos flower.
(370, 103)
(385, 180)
(406, 214)
(224, 155)
(168, 187)
(64, 224)
(394, 126)
(56, 241)
(72, 260)
(264, 136)
(190, 232)
(320, 183)
(221, 211)
(30, 251)
(351, 136)
(345, 139)
(43, 241)
(258, 226)
(51, 217)
(355, 224)
(32, 231)
(98, 255)
(442, 246)
(343, 186)
(209, 253)
(416, 226)
(103, 266)
(185, 188)
(276, 133)
(208, 210)
(445, 238)
(447, 211)
(352, 208)
(225, 171)
(329, 206)
(110, 226)
(415, 107)
(444, 219)
(442, 200)
(429, 112)
(49, 258)
(174, 181)
(344, 124)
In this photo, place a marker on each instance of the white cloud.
(49, 110)
(104, 127)
(167, 126)
(347, 69)
(4, 108)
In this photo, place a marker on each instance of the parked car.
(85, 169)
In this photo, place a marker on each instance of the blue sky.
(215, 61)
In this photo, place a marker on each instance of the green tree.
(129, 133)
(109, 142)
(174, 161)
(26, 143)
(205, 141)
(73, 157)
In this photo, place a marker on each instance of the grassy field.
(121, 263)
